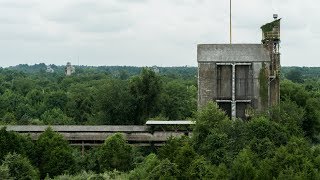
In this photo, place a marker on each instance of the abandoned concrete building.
(241, 78)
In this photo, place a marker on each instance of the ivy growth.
(263, 81)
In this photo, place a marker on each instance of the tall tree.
(54, 154)
(19, 167)
(115, 153)
(145, 89)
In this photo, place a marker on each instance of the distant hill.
(184, 71)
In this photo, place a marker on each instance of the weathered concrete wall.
(232, 53)
(206, 83)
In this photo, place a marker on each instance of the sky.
(148, 32)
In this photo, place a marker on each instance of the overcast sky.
(148, 32)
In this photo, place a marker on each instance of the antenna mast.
(230, 24)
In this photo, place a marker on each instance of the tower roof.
(232, 53)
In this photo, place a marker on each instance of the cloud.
(147, 32)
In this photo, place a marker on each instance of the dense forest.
(282, 143)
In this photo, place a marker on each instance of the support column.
(233, 101)
(82, 148)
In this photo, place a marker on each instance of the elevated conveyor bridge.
(154, 133)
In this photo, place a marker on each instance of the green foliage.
(165, 170)
(171, 148)
(178, 100)
(279, 144)
(4, 172)
(57, 99)
(243, 167)
(202, 169)
(54, 155)
(145, 168)
(295, 75)
(12, 142)
(292, 160)
(145, 90)
(309, 101)
(55, 117)
(115, 103)
(261, 128)
(289, 115)
(109, 175)
(269, 26)
(311, 123)
(95, 95)
(208, 140)
(263, 81)
(115, 153)
(81, 103)
(19, 167)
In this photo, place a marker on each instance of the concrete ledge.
(76, 128)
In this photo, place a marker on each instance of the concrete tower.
(69, 69)
(241, 78)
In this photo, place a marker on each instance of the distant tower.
(271, 41)
(69, 69)
(155, 69)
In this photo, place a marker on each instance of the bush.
(19, 167)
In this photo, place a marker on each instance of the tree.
(19, 167)
(208, 139)
(115, 103)
(178, 101)
(293, 160)
(81, 103)
(201, 169)
(184, 158)
(54, 155)
(261, 128)
(243, 166)
(289, 115)
(4, 172)
(145, 89)
(115, 153)
(294, 92)
(165, 170)
(56, 99)
(56, 117)
(295, 75)
(13, 142)
(311, 123)
(171, 148)
(143, 170)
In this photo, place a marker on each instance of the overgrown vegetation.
(269, 26)
(282, 143)
(100, 95)
(263, 81)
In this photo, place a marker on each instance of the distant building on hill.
(69, 69)
(155, 69)
(241, 78)
(49, 69)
